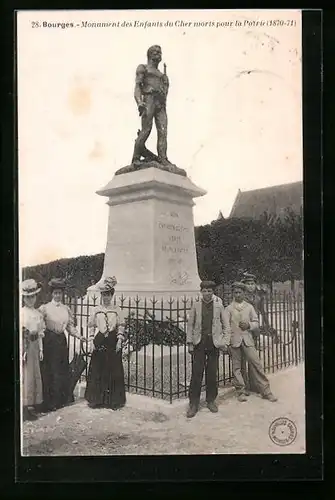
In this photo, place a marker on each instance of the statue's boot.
(164, 161)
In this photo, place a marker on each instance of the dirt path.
(147, 426)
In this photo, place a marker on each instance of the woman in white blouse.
(32, 350)
(55, 366)
(105, 381)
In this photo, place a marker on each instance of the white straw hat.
(30, 287)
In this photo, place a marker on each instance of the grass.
(167, 377)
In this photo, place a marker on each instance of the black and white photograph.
(161, 256)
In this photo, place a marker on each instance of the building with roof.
(273, 201)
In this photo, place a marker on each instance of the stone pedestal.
(150, 242)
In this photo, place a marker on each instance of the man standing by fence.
(255, 295)
(204, 338)
(241, 321)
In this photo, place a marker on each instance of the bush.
(148, 330)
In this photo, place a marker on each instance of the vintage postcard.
(160, 170)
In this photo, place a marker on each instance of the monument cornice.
(148, 194)
(151, 179)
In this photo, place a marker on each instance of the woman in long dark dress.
(55, 367)
(105, 381)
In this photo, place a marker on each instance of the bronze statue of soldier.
(151, 90)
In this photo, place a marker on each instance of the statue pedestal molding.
(150, 242)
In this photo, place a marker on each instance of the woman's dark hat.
(57, 283)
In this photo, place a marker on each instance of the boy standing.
(242, 320)
(205, 337)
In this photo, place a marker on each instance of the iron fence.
(155, 356)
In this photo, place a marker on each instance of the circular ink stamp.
(283, 431)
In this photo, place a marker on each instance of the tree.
(79, 273)
(270, 248)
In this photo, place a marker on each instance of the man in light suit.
(241, 322)
(204, 338)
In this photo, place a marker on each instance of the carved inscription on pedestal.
(175, 243)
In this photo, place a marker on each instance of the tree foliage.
(271, 249)
(79, 272)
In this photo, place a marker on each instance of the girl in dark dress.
(105, 381)
(55, 368)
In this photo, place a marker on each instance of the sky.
(234, 114)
